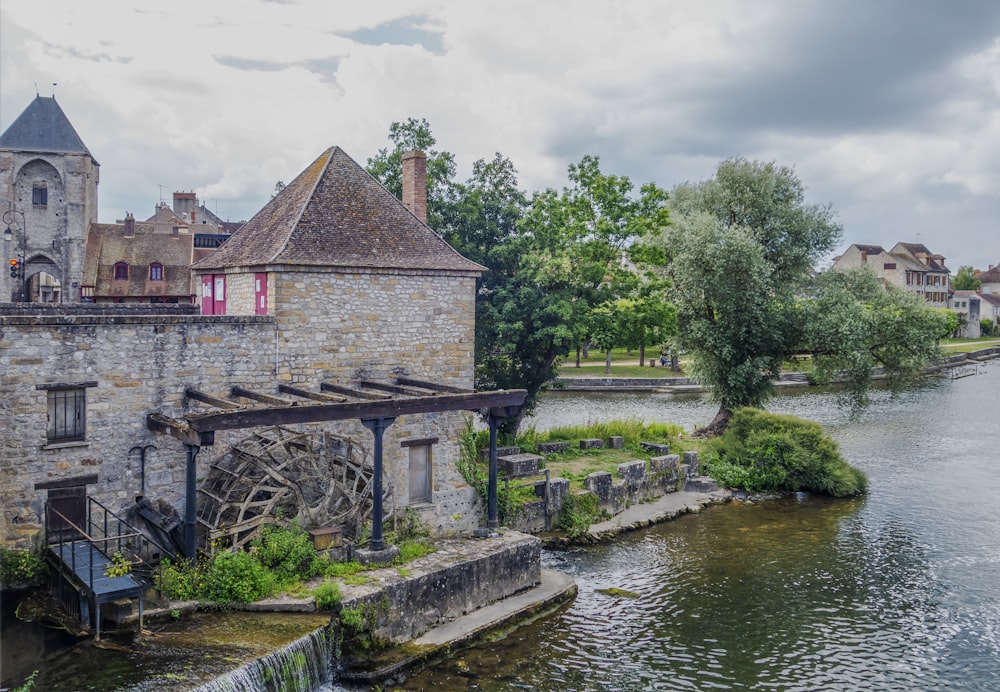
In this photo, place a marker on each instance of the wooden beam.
(215, 401)
(263, 398)
(433, 386)
(503, 402)
(179, 429)
(368, 384)
(306, 394)
(350, 391)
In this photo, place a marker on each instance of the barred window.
(67, 415)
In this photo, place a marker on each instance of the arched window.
(156, 271)
(121, 271)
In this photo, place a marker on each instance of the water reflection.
(899, 590)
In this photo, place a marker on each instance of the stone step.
(519, 465)
(655, 447)
(484, 454)
(701, 484)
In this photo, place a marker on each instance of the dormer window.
(156, 272)
(40, 195)
(121, 271)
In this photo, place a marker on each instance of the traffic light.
(15, 267)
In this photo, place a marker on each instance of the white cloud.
(897, 126)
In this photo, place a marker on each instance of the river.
(899, 590)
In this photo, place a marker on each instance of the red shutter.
(260, 293)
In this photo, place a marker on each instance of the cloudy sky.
(888, 109)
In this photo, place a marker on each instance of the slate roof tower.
(48, 175)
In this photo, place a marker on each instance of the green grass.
(967, 345)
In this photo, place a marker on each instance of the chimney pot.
(415, 183)
(129, 225)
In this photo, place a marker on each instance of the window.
(155, 272)
(39, 195)
(67, 415)
(121, 271)
(419, 470)
(889, 265)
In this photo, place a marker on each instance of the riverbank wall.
(686, 385)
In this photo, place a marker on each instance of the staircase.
(81, 559)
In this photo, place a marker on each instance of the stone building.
(333, 283)
(48, 192)
(908, 266)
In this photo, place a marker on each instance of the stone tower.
(48, 193)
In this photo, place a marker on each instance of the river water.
(899, 590)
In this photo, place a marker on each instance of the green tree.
(966, 280)
(387, 167)
(854, 324)
(739, 250)
(551, 262)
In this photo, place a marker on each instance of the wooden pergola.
(375, 404)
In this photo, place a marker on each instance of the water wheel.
(278, 475)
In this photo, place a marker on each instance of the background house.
(990, 279)
(966, 304)
(909, 266)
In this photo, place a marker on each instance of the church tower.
(48, 196)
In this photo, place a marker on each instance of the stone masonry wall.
(323, 326)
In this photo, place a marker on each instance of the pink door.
(219, 295)
(260, 293)
(207, 304)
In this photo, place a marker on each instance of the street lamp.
(10, 218)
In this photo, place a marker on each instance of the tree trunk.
(577, 356)
(718, 424)
(642, 354)
(607, 362)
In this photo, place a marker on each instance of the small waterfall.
(302, 666)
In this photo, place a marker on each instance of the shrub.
(578, 512)
(327, 595)
(288, 552)
(767, 452)
(21, 567)
(238, 577)
(179, 582)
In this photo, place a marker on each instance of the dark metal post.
(377, 426)
(191, 502)
(492, 519)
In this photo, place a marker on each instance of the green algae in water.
(618, 593)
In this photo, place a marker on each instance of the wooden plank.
(350, 391)
(433, 386)
(368, 384)
(263, 398)
(306, 394)
(503, 403)
(215, 401)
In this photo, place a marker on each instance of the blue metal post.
(378, 426)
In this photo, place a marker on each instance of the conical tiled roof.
(43, 127)
(336, 214)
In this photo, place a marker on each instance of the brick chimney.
(415, 183)
(129, 225)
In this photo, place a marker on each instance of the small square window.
(67, 415)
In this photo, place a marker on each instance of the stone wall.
(324, 326)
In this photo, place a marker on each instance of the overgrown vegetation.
(280, 560)
(578, 512)
(21, 567)
(764, 452)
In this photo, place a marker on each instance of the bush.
(578, 513)
(767, 452)
(327, 595)
(179, 582)
(238, 577)
(288, 552)
(21, 567)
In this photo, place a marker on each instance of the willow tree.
(740, 250)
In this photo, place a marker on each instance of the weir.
(303, 665)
